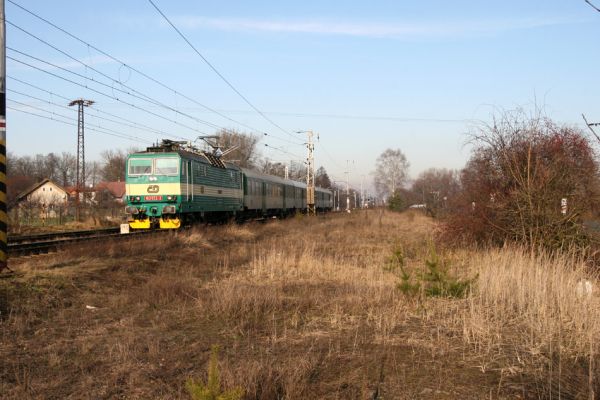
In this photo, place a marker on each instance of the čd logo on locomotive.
(152, 189)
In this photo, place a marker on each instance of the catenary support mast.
(80, 177)
(310, 175)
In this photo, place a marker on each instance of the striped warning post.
(3, 215)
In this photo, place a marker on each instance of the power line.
(114, 133)
(361, 117)
(127, 122)
(593, 6)
(89, 45)
(216, 71)
(108, 96)
(139, 96)
(283, 151)
(70, 124)
(284, 140)
(131, 125)
(94, 116)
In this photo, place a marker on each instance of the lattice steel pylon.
(80, 177)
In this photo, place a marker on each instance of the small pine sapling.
(212, 389)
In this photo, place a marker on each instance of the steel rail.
(45, 243)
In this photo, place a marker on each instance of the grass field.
(306, 308)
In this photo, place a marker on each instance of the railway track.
(19, 246)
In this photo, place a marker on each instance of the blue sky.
(364, 75)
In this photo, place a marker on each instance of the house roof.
(117, 189)
(36, 186)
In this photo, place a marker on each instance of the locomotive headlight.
(168, 210)
(138, 198)
(171, 198)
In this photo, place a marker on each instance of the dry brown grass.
(301, 308)
(527, 315)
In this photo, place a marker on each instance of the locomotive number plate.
(153, 198)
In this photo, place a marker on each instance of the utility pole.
(310, 174)
(362, 194)
(80, 177)
(591, 126)
(3, 215)
(347, 172)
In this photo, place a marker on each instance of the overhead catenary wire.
(283, 151)
(126, 120)
(363, 117)
(136, 70)
(73, 124)
(216, 71)
(137, 95)
(131, 125)
(121, 134)
(93, 108)
(111, 97)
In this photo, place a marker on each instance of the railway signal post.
(3, 210)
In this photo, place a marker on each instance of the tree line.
(528, 180)
(26, 170)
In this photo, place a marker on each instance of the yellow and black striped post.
(3, 214)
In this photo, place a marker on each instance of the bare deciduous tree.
(435, 187)
(390, 172)
(65, 169)
(272, 168)
(245, 153)
(114, 165)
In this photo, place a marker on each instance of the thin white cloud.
(400, 30)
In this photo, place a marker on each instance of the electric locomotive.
(170, 183)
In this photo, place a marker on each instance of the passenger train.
(173, 184)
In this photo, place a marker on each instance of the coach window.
(166, 166)
(140, 166)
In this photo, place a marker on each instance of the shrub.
(512, 186)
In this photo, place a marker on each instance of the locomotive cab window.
(140, 166)
(166, 166)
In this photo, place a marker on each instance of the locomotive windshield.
(140, 166)
(166, 166)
